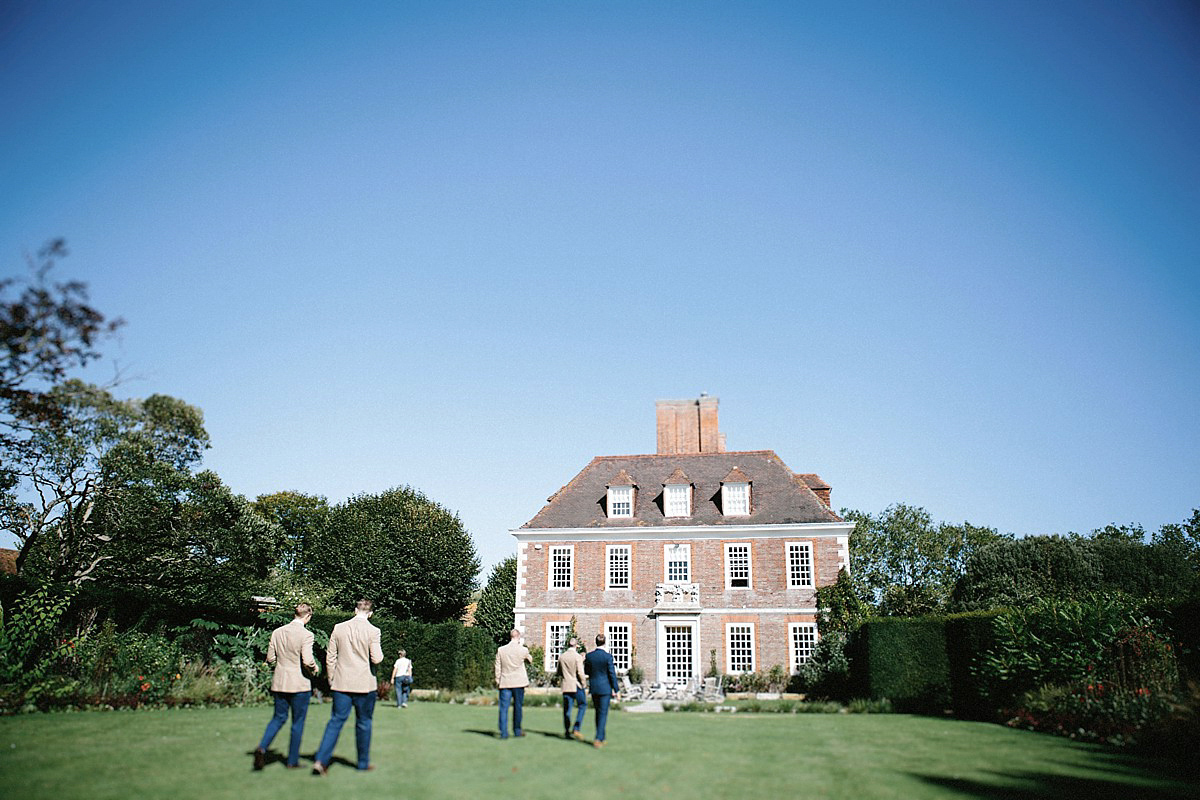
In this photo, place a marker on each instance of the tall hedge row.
(445, 655)
(905, 660)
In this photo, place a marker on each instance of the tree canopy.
(905, 565)
(405, 552)
(494, 611)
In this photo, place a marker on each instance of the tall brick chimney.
(688, 426)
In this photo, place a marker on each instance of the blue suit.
(602, 681)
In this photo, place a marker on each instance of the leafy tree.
(904, 564)
(411, 556)
(494, 612)
(1114, 559)
(187, 540)
(96, 450)
(45, 332)
(301, 517)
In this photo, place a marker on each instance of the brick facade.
(679, 623)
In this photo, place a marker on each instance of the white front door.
(678, 643)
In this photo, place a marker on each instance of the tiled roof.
(676, 478)
(778, 495)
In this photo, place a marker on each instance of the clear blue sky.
(941, 253)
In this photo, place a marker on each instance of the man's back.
(353, 648)
(510, 665)
(602, 675)
(570, 669)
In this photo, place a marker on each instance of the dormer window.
(621, 496)
(620, 501)
(735, 499)
(677, 495)
(678, 501)
(735, 494)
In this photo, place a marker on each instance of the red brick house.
(686, 555)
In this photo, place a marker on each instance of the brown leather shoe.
(597, 745)
(319, 769)
(368, 768)
(577, 735)
(260, 758)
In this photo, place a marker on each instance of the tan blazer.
(353, 648)
(291, 645)
(510, 665)
(570, 669)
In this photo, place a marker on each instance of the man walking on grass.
(291, 653)
(353, 648)
(602, 679)
(511, 679)
(573, 681)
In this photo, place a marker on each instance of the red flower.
(145, 687)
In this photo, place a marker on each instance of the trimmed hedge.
(446, 655)
(903, 659)
(968, 637)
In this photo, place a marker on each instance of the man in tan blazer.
(511, 679)
(353, 648)
(291, 648)
(573, 682)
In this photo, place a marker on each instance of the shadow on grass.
(1121, 777)
(489, 734)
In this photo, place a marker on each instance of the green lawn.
(430, 750)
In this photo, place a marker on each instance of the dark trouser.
(297, 703)
(601, 701)
(516, 698)
(364, 707)
(579, 698)
(403, 687)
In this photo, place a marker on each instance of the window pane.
(736, 499)
(618, 567)
(799, 564)
(560, 568)
(737, 564)
(620, 500)
(556, 639)
(679, 651)
(741, 648)
(677, 501)
(618, 644)
(679, 563)
(803, 640)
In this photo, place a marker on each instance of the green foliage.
(842, 608)
(494, 611)
(904, 564)
(1057, 642)
(774, 679)
(46, 330)
(445, 655)
(32, 642)
(300, 517)
(827, 673)
(904, 660)
(188, 540)
(968, 636)
(411, 556)
(1011, 572)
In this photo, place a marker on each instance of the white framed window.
(677, 559)
(562, 567)
(735, 499)
(799, 564)
(802, 641)
(739, 647)
(618, 645)
(677, 500)
(617, 574)
(737, 565)
(556, 640)
(620, 501)
(677, 645)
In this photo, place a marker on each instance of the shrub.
(904, 659)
